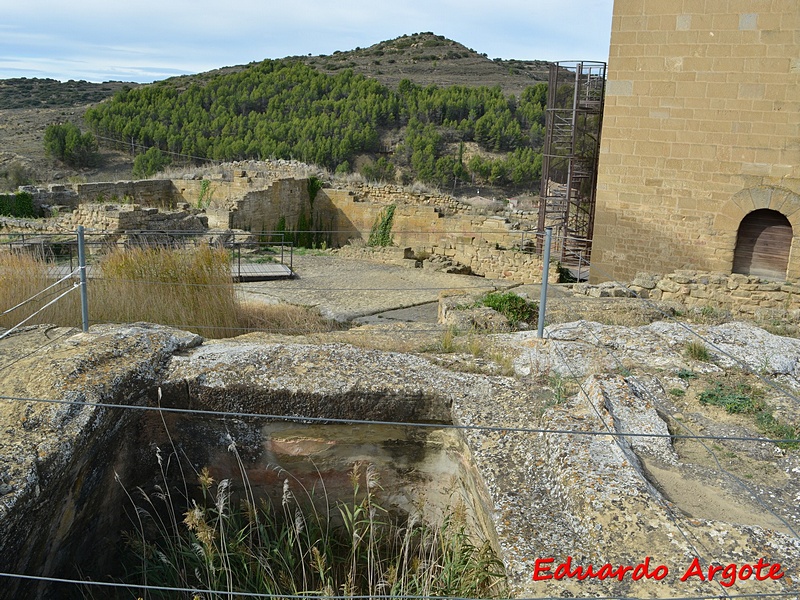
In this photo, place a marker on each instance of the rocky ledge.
(564, 470)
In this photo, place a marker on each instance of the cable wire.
(710, 451)
(439, 425)
(618, 440)
(21, 323)
(37, 294)
(156, 588)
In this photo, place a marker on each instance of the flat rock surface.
(607, 471)
(345, 289)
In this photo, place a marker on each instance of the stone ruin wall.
(133, 217)
(488, 245)
(111, 218)
(256, 201)
(743, 295)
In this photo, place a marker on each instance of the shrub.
(17, 174)
(514, 307)
(381, 232)
(18, 204)
(381, 170)
(66, 143)
(314, 186)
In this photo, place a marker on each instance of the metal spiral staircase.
(574, 117)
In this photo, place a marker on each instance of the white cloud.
(146, 40)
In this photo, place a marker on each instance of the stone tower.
(700, 152)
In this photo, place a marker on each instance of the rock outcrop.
(596, 476)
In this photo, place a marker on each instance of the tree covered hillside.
(287, 109)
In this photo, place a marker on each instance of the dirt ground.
(22, 142)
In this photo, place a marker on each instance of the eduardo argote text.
(726, 575)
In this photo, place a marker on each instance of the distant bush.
(380, 170)
(19, 204)
(66, 143)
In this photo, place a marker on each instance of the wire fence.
(266, 246)
(252, 255)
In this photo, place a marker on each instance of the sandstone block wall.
(133, 217)
(148, 192)
(395, 194)
(738, 294)
(743, 294)
(490, 246)
(701, 123)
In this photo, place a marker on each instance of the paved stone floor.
(346, 289)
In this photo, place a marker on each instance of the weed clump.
(514, 307)
(743, 398)
(697, 351)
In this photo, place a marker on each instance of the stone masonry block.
(762, 197)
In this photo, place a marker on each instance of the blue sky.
(147, 40)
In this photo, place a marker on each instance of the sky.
(148, 40)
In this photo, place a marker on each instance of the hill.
(422, 58)
(49, 93)
(429, 59)
(374, 110)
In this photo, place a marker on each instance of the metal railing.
(253, 255)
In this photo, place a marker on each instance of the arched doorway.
(762, 245)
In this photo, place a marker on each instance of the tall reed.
(292, 549)
(189, 289)
(24, 275)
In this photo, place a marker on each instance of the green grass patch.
(740, 398)
(513, 306)
(778, 430)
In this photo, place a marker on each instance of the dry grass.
(21, 277)
(192, 290)
(287, 319)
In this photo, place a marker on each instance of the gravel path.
(345, 289)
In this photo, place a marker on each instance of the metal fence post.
(545, 274)
(82, 268)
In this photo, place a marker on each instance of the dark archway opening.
(762, 245)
